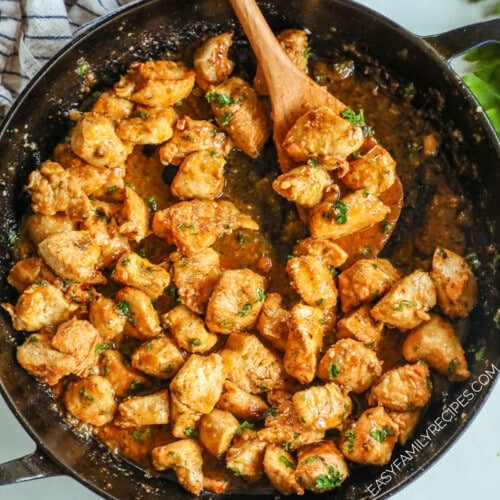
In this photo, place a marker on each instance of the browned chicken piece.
(365, 281)
(91, 400)
(353, 212)
(184, 421)
(406, 422)
(279, 466)
(109, 104)
(38, 357)
(235, 302)
(94, 139)
(241, 114)
(195, 225)
(404, 388)
(323, 135)
(198, 384)
(303, 185)
(374, 171)
(134, 216)
(211, 61)
(105, 315)
(40, 306)
(74, 256)
(97, 181)
(133, 270)
(246, 456)
(28, 271)
(215, 478)
(456, 286)
(351, 365)
(53, 189)
(320, 467)
(251, 365)
(150, 409)
(370, 439)
(283, 426)
(124, 378)
(312, 280)
(200, 176)
(185, 458)
(195, 277)
(143, 321)
(359, 325)
(322, 407)
(241, 404)
(194, 135)
(273, 321)
(436, 343)
(39, 226)
(296, 45)
(305, 340)
(188, 330)
(324, 249)
(216, 431)
(407, 303)
(156, 83)
(158, 357)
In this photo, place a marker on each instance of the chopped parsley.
(86, 395)
(125, 309)
(381, 434)
(327, 481)
(33, 339)
(340, 209)
(312, 162)
(190, 432)
(350, 437)
(357, 120)
(225, 118)
(261, 296)
(194, 342)
(386, 226)
(284, 460)
(398, 306)
(478, 356)
(83, 67)
(244, 425)
(452, 366)
(220, 99)
(333, 371)
(244, 310)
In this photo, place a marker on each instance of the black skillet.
(38, 121)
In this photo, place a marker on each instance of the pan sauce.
(409, 137)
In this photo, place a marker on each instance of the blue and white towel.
(31, 31)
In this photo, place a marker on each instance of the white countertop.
(469, 468)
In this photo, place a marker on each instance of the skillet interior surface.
(165, 27)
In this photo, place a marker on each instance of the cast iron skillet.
(151, 29)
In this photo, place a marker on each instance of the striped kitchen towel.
(31, 31)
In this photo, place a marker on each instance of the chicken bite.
(105, 315)
(279, 466)
(359, 325)
(39, 226)
(134, 216)
(149, 409)
(246, 456)
(331, 254)
(26, 272)
(216, 431)
(109, 104)
(243, 405)
(273, 321)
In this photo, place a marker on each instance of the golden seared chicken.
(246, 456)
(321, 467)
(198, 383)
(217, 430)
(359, 325)
(436, 343)
(156, 83)
(53, 190)
(371, 438)
(195, 225)
(404, 388)
(134, 217)
(456, 286)
(200, 176)
(304, 343)
(353, 212)
(211, 61)
(350, 364)
(39, 226)
(235, 302)
(406, 422)
(195, 277)
(374, 171)
(143, 321)
(304, 185)
(239, 112)
(150, 409)
(184, 420)
(185, 458)
(188, 330)
(322, 407)
(159, 357)
(192, 135)
(407, 303)
(94, 139)
(133, 270)
(97, 181)
(325, 249)
(279, 466)
(40, 306)
(91, 400)
(243, 405)
(252, 366)
(28, 271)
(273, 321)
(106, 316)
(116, 108)
(365, 281)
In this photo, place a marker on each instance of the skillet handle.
(33, 466)
(457, 41)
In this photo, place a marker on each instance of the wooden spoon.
(293, 93)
